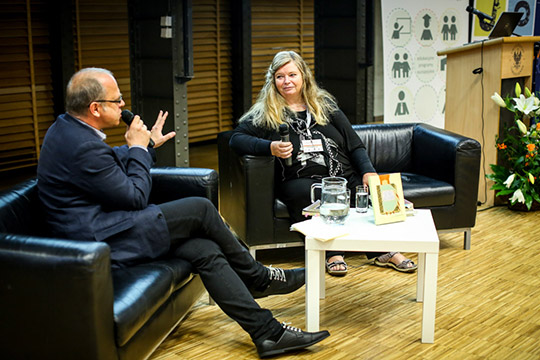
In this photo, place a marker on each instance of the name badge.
(314, 145)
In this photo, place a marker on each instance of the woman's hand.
(281, 149)
(366, 176)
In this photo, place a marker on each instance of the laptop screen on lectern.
(505, 25)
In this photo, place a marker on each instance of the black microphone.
(284, 133)
(127, 117)
(482, 16)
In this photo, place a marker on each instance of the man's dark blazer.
(91, 191)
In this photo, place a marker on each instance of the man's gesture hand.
(157, 130)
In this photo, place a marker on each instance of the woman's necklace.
(301, 126)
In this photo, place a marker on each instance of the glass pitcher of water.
(334, 200)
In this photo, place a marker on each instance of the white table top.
(359, 233)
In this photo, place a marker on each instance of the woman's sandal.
(335, 264)
(384, 261)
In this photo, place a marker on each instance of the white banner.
(414, 75)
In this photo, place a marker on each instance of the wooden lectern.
(469, 108)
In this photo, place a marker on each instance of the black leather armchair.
(61, 299)
(439, 170)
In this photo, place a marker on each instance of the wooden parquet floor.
(488, 304)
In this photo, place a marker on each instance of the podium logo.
(517, 59)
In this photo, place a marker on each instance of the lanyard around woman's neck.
(308, 118)
(295, 124)
(334, 165)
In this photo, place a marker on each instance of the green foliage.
(520, 166)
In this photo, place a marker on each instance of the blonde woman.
(322, 143)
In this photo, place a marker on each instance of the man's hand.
(137, 134)
(157, 130)
(281, 149)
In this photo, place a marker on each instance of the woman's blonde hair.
(270, 109)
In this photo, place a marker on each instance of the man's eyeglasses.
(111, 101)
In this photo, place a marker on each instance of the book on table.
(386, 192)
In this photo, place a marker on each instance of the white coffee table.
(416, 234)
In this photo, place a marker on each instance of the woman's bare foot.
(398, 258)
(396, 261)
(335, 265)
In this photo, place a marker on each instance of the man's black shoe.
(292, 339)
(282, 282)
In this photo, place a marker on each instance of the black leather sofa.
(439, 171)
(60, 299)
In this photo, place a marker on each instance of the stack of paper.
(317, 229)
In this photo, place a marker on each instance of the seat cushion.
(140, 290)
(423, 191)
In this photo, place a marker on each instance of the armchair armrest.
(59, 293)
(452, 158)
(171, 183)
(246, 193)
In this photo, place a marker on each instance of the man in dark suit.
(97, 193)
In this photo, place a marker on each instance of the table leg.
(322, 274)
(313, 276)
(420, 277)
(430, 298)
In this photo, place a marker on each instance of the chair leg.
(252, 252)
(467, 240)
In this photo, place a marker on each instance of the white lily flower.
(525, 105)
(536, 100)
(509, 180)
(518, 196)
(521, 126)
(498, 100)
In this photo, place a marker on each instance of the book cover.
(387, 198)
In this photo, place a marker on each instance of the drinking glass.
(362, 198)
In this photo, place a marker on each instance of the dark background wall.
(344, 36)
(206, 75)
